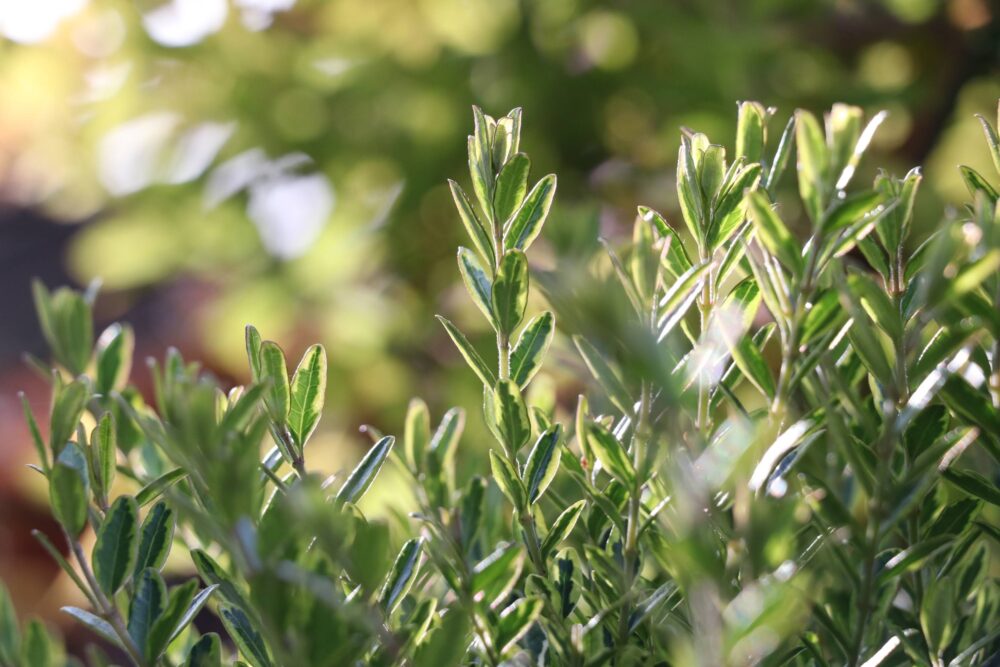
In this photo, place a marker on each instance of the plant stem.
(107, 609)
(631, 551)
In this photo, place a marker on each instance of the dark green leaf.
(974, 484)
(401, 576)
(116, 548)
(542, 463)
(914, 557)
(67, 408)
(246, 637)
(104, 451)
(526, 223)
(68, 482)
(512, 184)
(529, 350)
(148, 603)
(155, 537)
(364, 474)
(206, 652)
(114, 358)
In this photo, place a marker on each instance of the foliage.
(704, 506)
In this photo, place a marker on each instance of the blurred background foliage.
(283, 162)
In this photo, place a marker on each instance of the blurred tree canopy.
(283, 162)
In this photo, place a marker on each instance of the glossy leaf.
(367, 470)
(542, 463)
(510, 291)
(307, 394)
(525, 224)
(116, 549)
(469, 353)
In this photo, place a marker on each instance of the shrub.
(704, 506)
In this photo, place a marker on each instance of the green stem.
(107, 609)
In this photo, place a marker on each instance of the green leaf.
(506, 478)
(773, 233)
(206, 652)
(991, 139)
(542, 463)
(417, 433)
(711, 170)
(153, 489)
(477, 283)
(605, 375)
(68, 489)
(404, 571)
(469, 353)
(308, 391)
(167, 623)
(975, 182)
(253, 343)
(730, 208)
(813, 164)
(104, 450)
(512, 184)
(246, 637)
(67, 325)
(974, 484)
(364, 474)
(171, 623)
(9, 634)
(515, 621)
(689, 191)
(877, 304)
(481, 159)
(529, 350)
(611, 454)
(67, 408)
(277, 398)
(38, 648)
(148, 603)
(447, 644)
(95, 623)
(525, 224)
(914, 557)
(448, 432)
(155, 538)
(510, 290)
(477, 231)
(562, 527)
(850, 210)
(512, 416)
(748, 358)
(495, 576)
(676, 259)
(116, 549)
(781, 153)
(114, 358)
(848, 140)
(750, 127)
